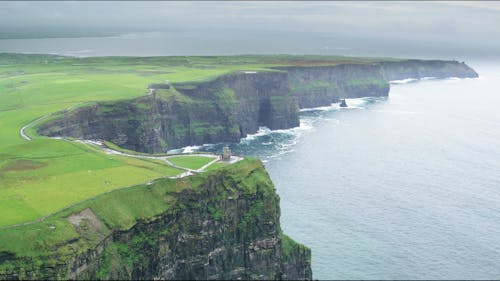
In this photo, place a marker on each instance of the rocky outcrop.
(234, 105)
(220, 225)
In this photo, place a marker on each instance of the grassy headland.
(43, 175)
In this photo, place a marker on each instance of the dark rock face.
(252, 99)
(200, 246)
(220, 225)
(234, 105)
(324, 85)
(222, 110)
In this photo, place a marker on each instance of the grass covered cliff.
(228, 107)
(222, 224)
(225, 109)
(69, 210)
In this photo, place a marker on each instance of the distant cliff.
(323, 85)
(219, 225)
(417, 69)
(316, 86)
(234, 105)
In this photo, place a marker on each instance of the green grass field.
(217, 165)
(44, 175)
(119, 209)
(191, 162)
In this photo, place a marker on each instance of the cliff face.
(417, 69)
(234, 105)
(222, 110)
(324, 85)
(222, 225)
(250, 99)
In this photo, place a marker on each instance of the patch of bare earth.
(86, 222)
(22, 165)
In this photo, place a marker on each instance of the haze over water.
(433, 29)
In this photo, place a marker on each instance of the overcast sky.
(460, 26)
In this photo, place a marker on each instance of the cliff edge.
(220, 225)
(234, 105)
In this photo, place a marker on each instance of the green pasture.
(43, 176)
(118, 209)
(217, 165)
(192, 162)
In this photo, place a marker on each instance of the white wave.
(351, 103)
(427, 78)
(189, 149)
(448, 79)
(321, 108)
(284, 149)
(175, 151)
(283, 146)
(356, 103)
(403, 81)
(185, 149)
(454, 79)
(305, 125)
(261, 132)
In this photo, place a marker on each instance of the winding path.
(23, 134)
(107, 150)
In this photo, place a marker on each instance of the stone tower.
(226, 153)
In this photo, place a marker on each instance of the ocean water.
(404, 187)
